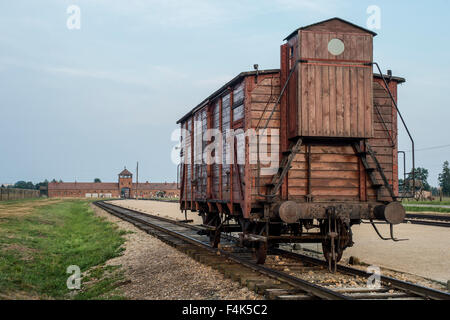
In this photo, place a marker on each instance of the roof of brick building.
(109, 186)
(125, 172)
(156, 186)
(82, 185)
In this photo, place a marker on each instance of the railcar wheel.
(328, 254)
(213, 220)
(261, 252)
(338, 238)
(214, 238)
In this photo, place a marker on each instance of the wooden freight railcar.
(298, 154)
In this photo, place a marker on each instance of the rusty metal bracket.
(391, 227)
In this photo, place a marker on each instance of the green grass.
(12, 202)
(445, 202)
(427, 209)
(36, 249)
(431, 203)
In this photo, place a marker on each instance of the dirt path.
(426, 253)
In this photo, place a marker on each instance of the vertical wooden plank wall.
(239, 145)
(216, 166)
(203, 167)
(187, 155)
(262, 101)
(291, 92)
(197, 155)
(284, 145)
(383, 146)
(335, 92)
(226, 173)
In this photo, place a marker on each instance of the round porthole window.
(336, 47)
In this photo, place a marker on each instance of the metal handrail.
(279, 100)
(404, 125)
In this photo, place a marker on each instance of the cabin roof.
(222, 89)
(328, 20)
(393, 78)
(251, 73)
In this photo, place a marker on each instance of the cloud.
(213, 82)
(152, 76)
(197, 13)
(322, 6)
(101, 75)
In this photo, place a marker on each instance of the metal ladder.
(362, 154)
(413, 171)
(278, 178)
(286, 162)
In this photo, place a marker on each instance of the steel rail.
(305, 286)
(428, 223)
(390, 282)
(428, 220)
(428, 216)
(309, 288)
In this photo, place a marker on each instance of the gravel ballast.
(157, 271)
(425, 254)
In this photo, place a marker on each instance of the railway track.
(428, 220)
(286, 276)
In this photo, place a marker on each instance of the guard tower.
(125, 183)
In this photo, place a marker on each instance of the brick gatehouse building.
(125, 188)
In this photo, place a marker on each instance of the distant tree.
(20, 185)
(54, 181)
(24, 185)
(97, 180)
(41, 184)
(444, 178)
(161, 194)
(434, 191)
(2, 186)
(401, 184)
(60, 181)
(421, 174)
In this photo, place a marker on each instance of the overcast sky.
(80, 104)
